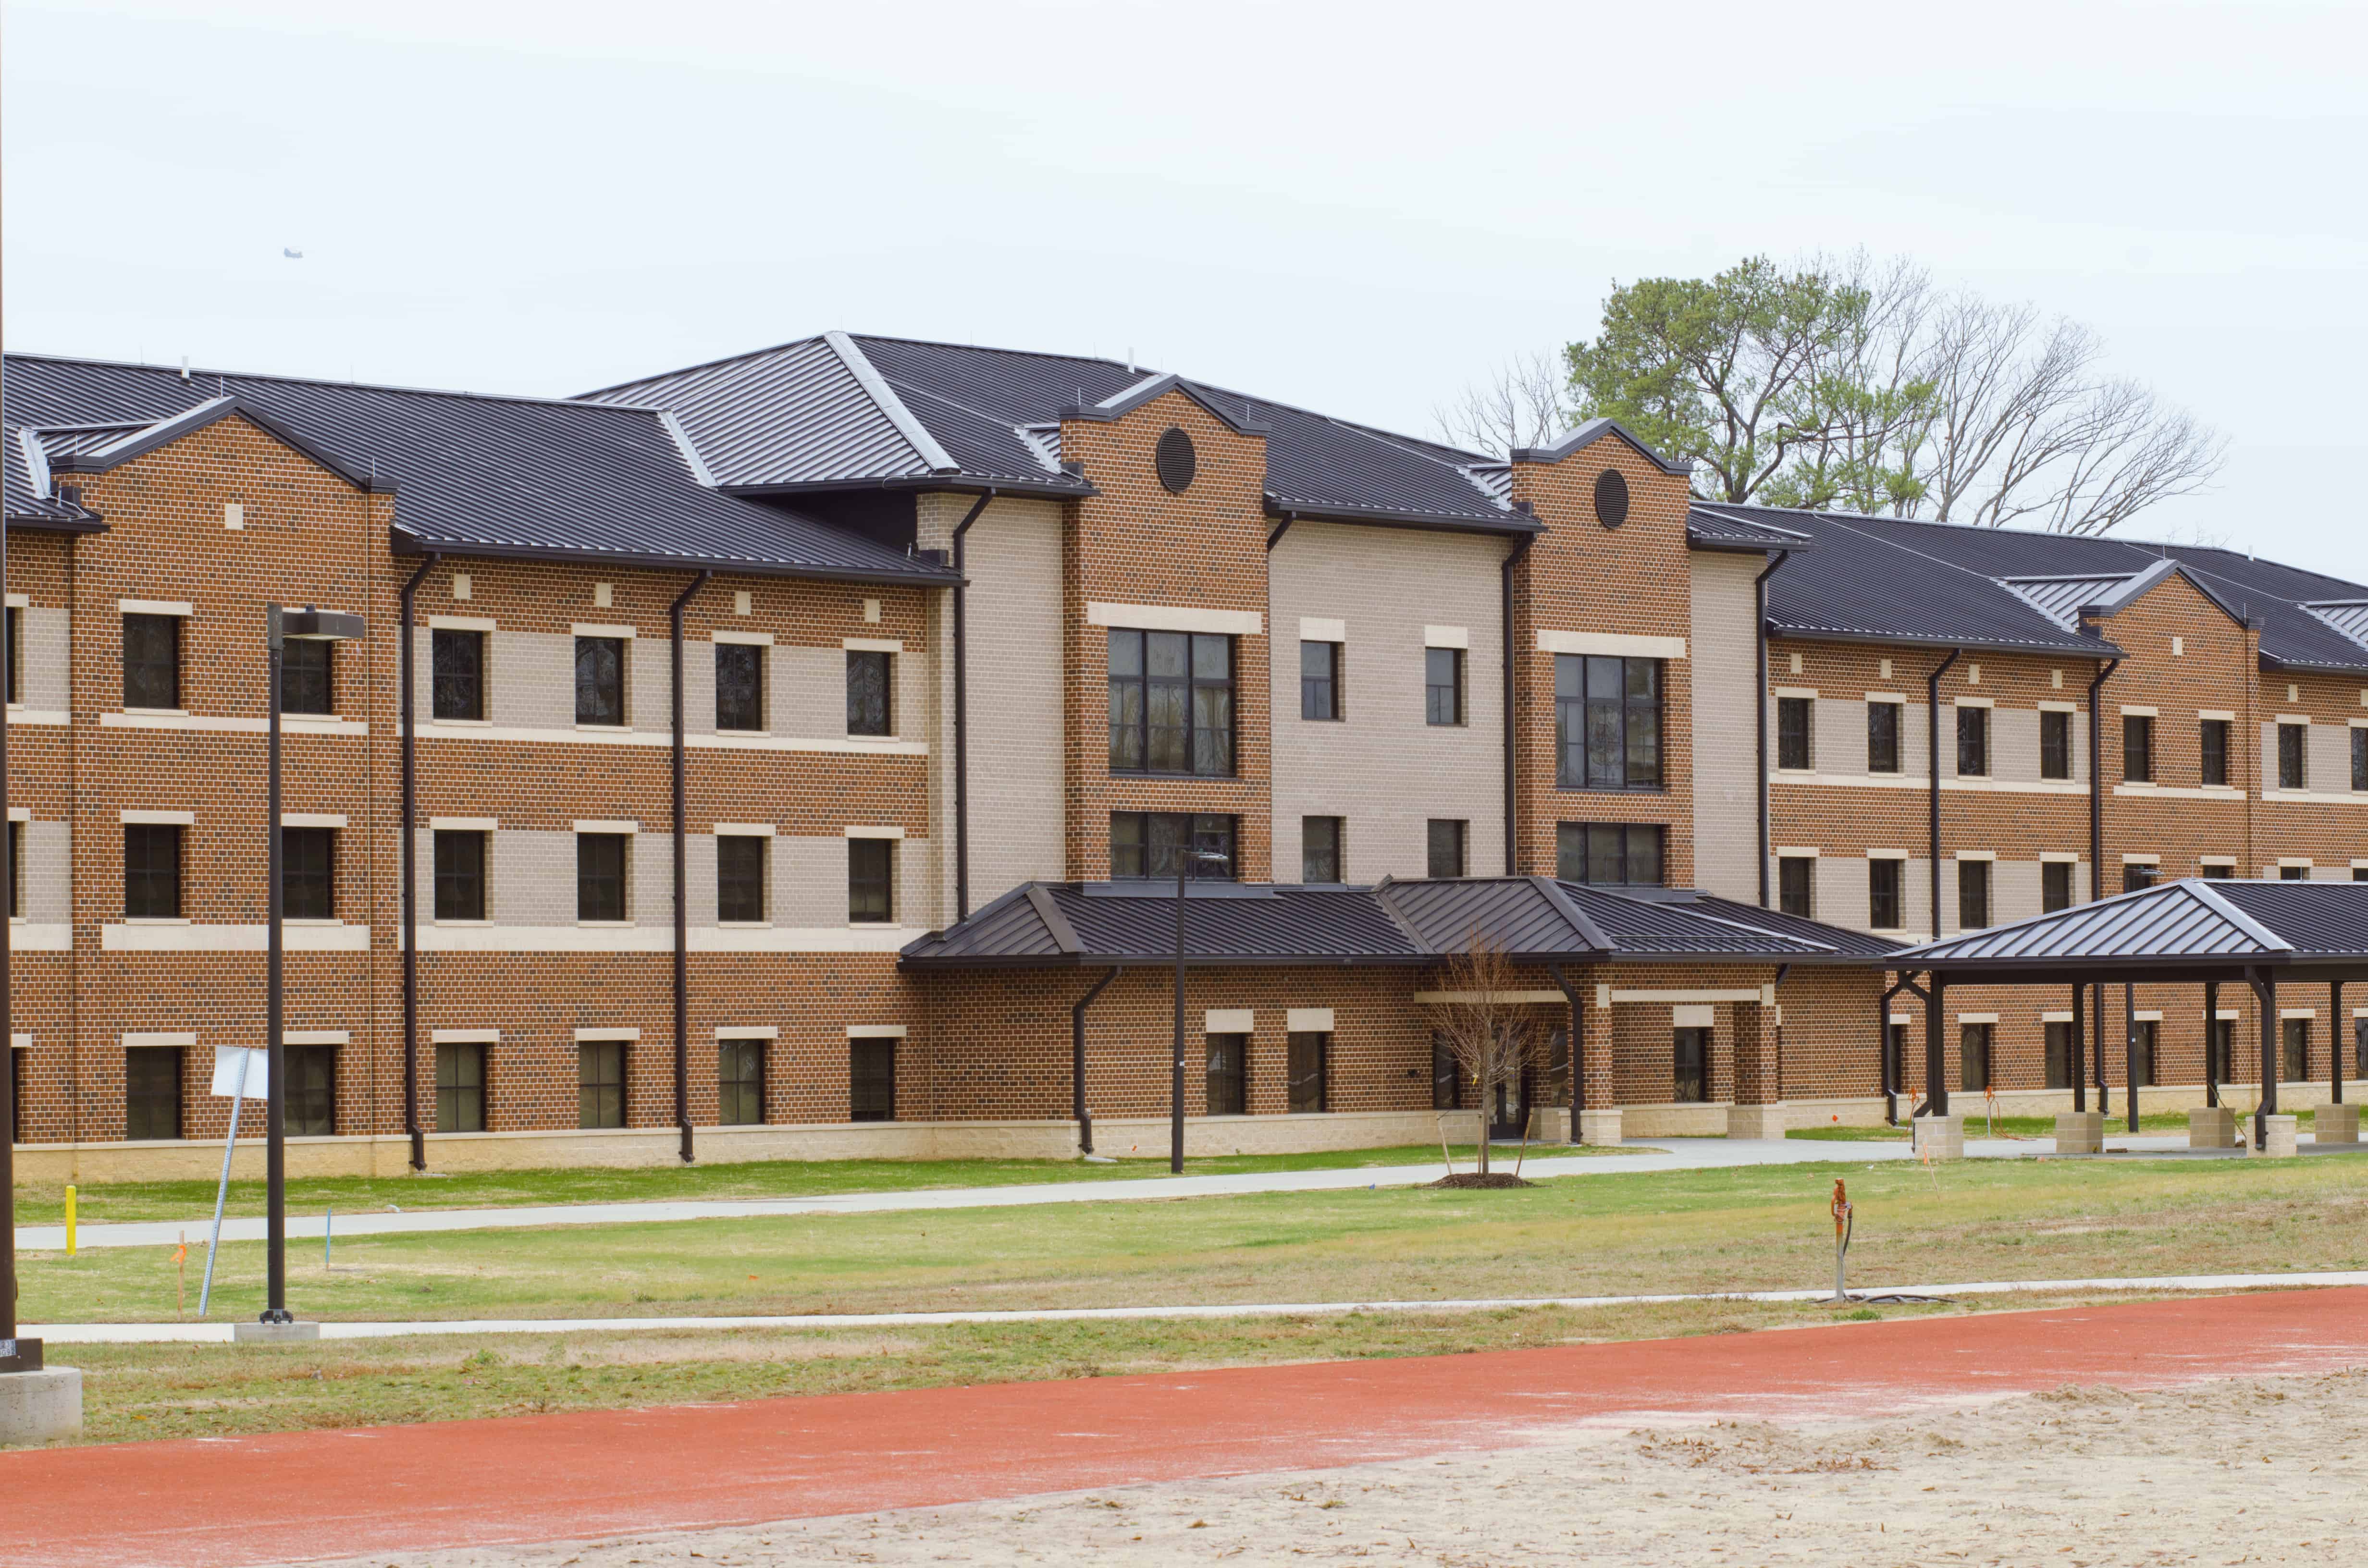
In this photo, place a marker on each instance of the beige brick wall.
(1725, 664)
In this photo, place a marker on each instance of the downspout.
(1892, 1068)
(681, 885)
(961, 719)
(1932, 812)
(1578, 1038)
(1077, 1062)
(2096, 870)
(1781, 971)
(411, 873)
(1759, 638)
(1512, 750)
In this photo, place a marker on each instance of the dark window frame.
(1446, 1075)
(1442, 700)
(603, 1070)
(2054, 744)
(462, 874)
(1320, 689)
(1691, 1052)
(1976, 1056)
(2293, 751)
(871, 692)
(308, 676)
(456, 679)
(2220, 1050)
(2212, 751)
(1334, 831)
(740, 1092)
(2056, 1053)
(1138, 840)
(1225, 1078)
(2359, 758)
(1612, 854)
(2140, 874)
(871, 882)
(16, 869)
(740, 888)
(1796, 880)
(2137, 748)
(740, 687)
(308, 873)
(2146, 1046)
(2293, 1050)
(603, 891)
(2051, 871)
(155, 1094)
(1886, 892)
(153, 879)
(461, 1069)
(309, 1105)
(16, 635)
(1452, 837)
(1884, 721)
(870, 1079)
(152, 662)
(1973, 742)
(603, 671)
(1631, 728)
(1306, 1092)
(1796, 734)
(1203, 744)
(1975, 895)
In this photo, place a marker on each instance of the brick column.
(1599, 1115)
(1756, 1111)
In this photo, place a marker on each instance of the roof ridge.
(197, 373)
(686, 369)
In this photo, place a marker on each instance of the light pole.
(1185, 856)
(15, 1355)
(280, 625)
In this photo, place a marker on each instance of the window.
(1308, 1049)
(2054, 886)
(152, 871)
(460, 1089)
(1319, 680)
(739, 1083)
(2358, 758)
(2136, 874)
(308, 873)
(869, 709)
(460, 875)
(1228, 1079)
(457, 674)
(871, 880)
(2290, 739)
(1446, 1075)
(1973, 1056)
(2137, 748)
(311, 1106)
(2358, 1046)
(2294, 1034)
(151, 661)
(2054, 744)
(599, 680)
(1793, 733)
(740, 879)
(151, 1093)
(1883, 737)
(740, 687)
(2293, 873)
(2215, 767)
(18, 1127)
(1614, 853)
(2220, 1050)
(16, 869)
(1319, 849)
(1973, 742)
(1689, 1069)
(1146, 844)
(1895, 1040)
(601, 876)
(2217, 870)
(1446, 847)
(1171, 702)
(871, 1080)
(2143, 1034)
(1973, 894)
(600, 1083)
(1883, 900)
(1794, 875)
(307, 669)
(2059, 1056)
(1607, 722)
(1443, 686)
(15, 634)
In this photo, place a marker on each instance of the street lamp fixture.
(1185, 857)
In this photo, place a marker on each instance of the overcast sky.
(1352, 207)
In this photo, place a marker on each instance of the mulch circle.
(1473, 1178)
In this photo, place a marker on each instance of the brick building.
(933, 639)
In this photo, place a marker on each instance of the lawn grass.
(1978, 1125)
(1616, 1232)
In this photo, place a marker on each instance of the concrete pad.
(1940, 1137)
(1598, 1127)
(2337, 1124)
(40, 1407)
(2277, 1138)
(2080, 1132)
(274, 1332)
(2211, 1127)
(1758, 1120)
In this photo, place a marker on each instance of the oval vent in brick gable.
(1176, 460)
(1610, 498)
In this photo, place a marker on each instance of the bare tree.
(1482, 1026)
(1519, 405)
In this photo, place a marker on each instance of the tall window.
(1883, 901)
(1973, 894)
(1794, 873)
(1973, 742)
(1607, 722)
(740, 879)
(739, 1082)
(151, 1093)
(2215, 767)
(18, 1127)
(2360, 758)
(307, 672)
(2220, 1049)
(1319, 680)
(2136, 874)
(871, 1080)
(311, 1104)
(1446, 1075)
(2059, 1056)
(2291, 741)
(460, 875)
(460, 1089)
(599, 680)
(1974, 1055)
(2054, 744)
(1793, 733)
(1227, 1081)
(1690, 1066)
(2137, 748)
(601, 876)
(740, 686)
(1306, 1064)
(151, 661)
(869, 708)
(871, 879)
(1171, 702)
(1319, 849)
(1883, 737)
(152, 871)
(457, 679)
(600, 1083)
(15, 634)
(2294, 1064)
(1610, 852)
(308, 873)
(2054, 886)
(2143, 1034)
(2359, 1044)
(1446, 846)
(1148, 844)
(16, 871)
(1443, 686)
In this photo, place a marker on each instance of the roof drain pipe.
(1077, 1064)
(681, 886)
(1932, 812)
(1512, 735)
(1759, 637)
(961, 719)
(410, 837)
(2097, 875)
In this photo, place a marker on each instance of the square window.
(601, 876)
(307, 672)
(1794, 874)
(740, 879)
(1308, 1056)
(2215, 741)
(739, 686)
(311, 1103)
(1319, 680)
(151, 1093)
(600, 680)
(460, 875)
(869, 708)
(1607, 722)
(152, 871)
(1883, 737)
(1792, 731)
(600, 1083)
(871, 880)
(457, 674)
(1227, 1081)
(2054, 744)
(1319, 849)
(739, 1083)
(151, 661)
(2137, 875)
(460, 1089)
(1446, 845)
(871, 1080)
(1973, 742)
(1171, 702)
(308, 873)
(1443, 686)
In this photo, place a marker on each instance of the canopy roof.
(2188, 929)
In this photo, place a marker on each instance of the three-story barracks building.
(792, 755)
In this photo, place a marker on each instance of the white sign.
(227, 1060)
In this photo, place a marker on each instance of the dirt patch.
(1466, 1180)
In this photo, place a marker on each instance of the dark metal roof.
(1708, 528)
(2188, 925)
(474, 475)
(25, 490)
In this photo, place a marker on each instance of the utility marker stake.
(221, 1191)
(70, 1219)
(1843, 1226)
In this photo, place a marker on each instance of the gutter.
(962, 715)
(1932, 815)
(681, 885)
(410, 837)
(1759, 641)
(2097, 874)
(1077, 1062)
(1513, 558)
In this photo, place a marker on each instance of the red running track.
(215, 1503)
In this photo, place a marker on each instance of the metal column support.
(409, 837)
(2097, 1034)
(2079, 1054)
(2211, 1032)
(681, 885)
(1077, 1062)
(1936, 1078)
(2265, 994)
(2129, 1048)
(2335, 1040)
